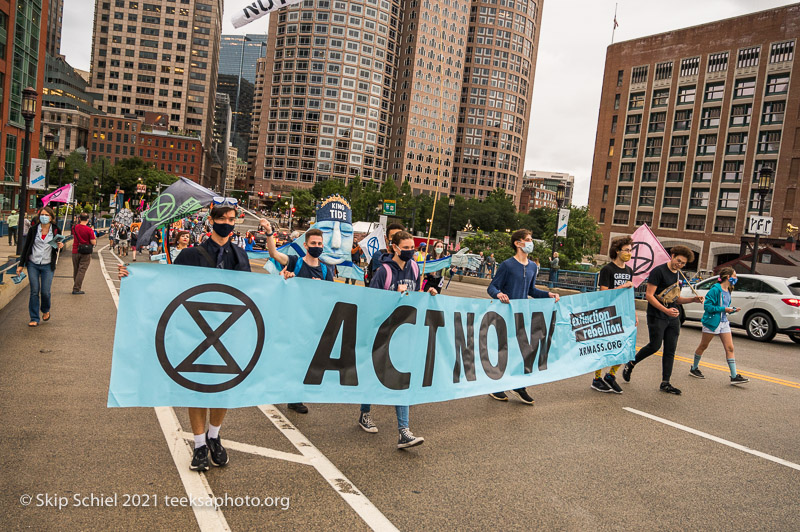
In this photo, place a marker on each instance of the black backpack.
(122, 234)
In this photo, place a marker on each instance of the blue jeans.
(402, 415)
(40, 277)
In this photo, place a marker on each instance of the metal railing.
(570, 280)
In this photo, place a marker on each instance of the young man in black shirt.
(215, 252)
(309, 267)
(614, 275)
(663, 297)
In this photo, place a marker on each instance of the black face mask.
(406, 255)
(223, 230)
(315, 251)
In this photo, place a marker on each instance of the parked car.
(770, 305)
(260, 240)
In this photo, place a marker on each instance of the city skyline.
(564, 116)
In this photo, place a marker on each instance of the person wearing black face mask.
(397, 272)
(215, 252)
(309, 267)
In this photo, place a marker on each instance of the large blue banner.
(205, 337)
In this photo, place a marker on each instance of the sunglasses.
(230, 202)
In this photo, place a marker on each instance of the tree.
(329, 187)
(583, 236)
(304, 203)
(389, 189)
(496, 242)
(366, 204)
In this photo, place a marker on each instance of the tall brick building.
(437, 92)
(687, 118)
(162, 56)
(23, 35)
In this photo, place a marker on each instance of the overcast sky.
(569, 68)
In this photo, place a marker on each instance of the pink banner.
(61, 195)
(647, 254)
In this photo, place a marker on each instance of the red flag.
(647, 253)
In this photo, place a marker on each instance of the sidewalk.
(58, 435)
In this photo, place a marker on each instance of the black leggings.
(662, 330)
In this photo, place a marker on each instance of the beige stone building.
(161, 56)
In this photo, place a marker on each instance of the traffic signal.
(279, 196)
(260, 193)
(292, 210)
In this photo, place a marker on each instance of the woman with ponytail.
(717, 306)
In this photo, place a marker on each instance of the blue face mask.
(733, 280)
(45, 219)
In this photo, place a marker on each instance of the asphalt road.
(576, 460)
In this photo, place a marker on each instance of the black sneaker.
(365, 422)
(600, 385)
(611, 380)
(300, 408)
(200, 459)
(668, 388)
(407, 439)
(217, 453)
(78, 292)
(500, 396)
(738, 379)
(627, 369)
(696, 373)
(522, 395)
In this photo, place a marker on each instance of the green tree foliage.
(496, 242)
(329, 187)
(304, 203)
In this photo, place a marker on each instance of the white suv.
(770, 305)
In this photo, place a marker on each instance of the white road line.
(195, 484)
(260, 451)
(696, 432)
(346, 490)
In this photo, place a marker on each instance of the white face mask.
(528, 247)
(439, 250)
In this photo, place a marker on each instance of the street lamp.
(560, 190)
(76, 175)
(94, 204)
(49, 148)
(763, 187)
(61, 164)
(450, 204)
(28, 113)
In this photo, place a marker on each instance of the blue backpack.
(299, 264)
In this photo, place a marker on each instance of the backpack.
(299, 264)
(388, 282)
(122, 234)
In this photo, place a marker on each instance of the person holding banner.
(715, 323)
(308, 267)
(612, 276)
(663, 297)
(435, 279)
(215, 252)
(516, 279)
(398, 272)
(375, 259)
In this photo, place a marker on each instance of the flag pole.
(666, 253)
(614, 29)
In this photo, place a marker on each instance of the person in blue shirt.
(717, 306)
(516, 279)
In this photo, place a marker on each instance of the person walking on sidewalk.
(516, 279)
(398, 272)
(555, 264)
(715, 322)
(615, 275)
(13, 223)
(663, 297)
(215, 252)
(83, 242)
(39, 255)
